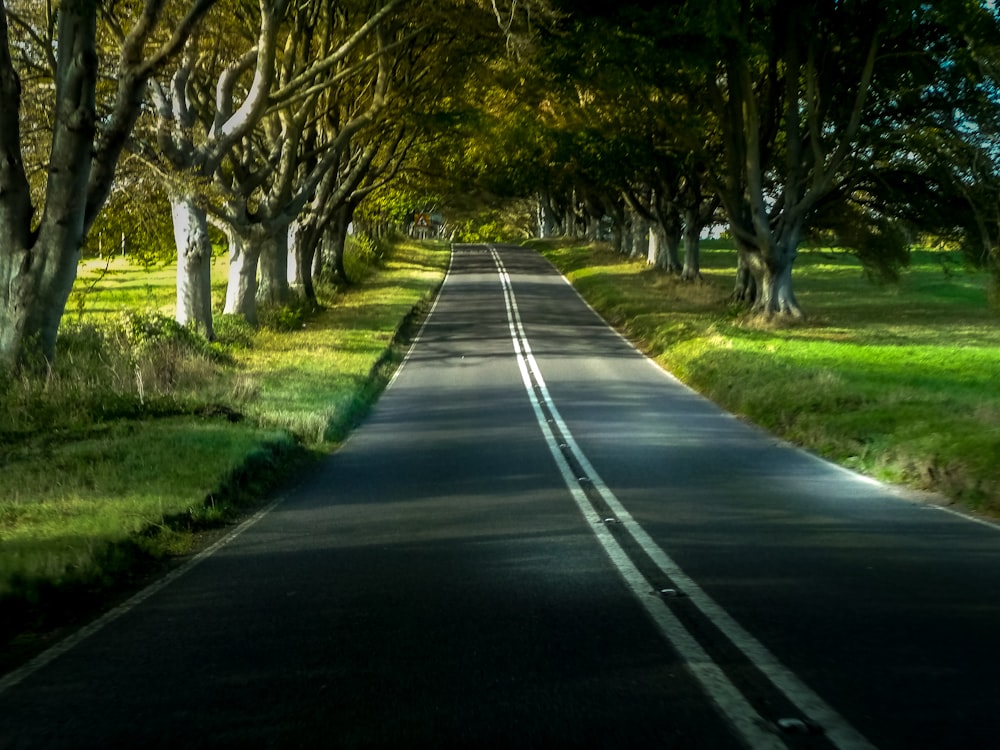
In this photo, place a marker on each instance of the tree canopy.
(278, 122)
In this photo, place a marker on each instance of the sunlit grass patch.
(894, 380)
(66, 502)
(316, 381)
(107, 287)
(120, 453)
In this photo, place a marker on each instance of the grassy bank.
(896, 381)
(144, 435)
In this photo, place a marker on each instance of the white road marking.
(742, 715)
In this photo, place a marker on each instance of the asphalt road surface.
(539, 539)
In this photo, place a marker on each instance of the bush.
(233, 332)
(147, 364)
(288, 317)
(145, 332)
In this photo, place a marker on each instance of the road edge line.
(42, 660)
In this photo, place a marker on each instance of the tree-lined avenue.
(436, 585)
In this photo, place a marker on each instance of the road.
(539, 539)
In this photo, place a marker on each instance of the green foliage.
(142, 365)
(285, 318)
(880, 244)
(233, 332)
(363, 254)
(144, 333)
(510, 222)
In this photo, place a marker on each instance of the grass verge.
(140, 442)
(895, 381)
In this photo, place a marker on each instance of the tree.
(90, 124)
(196, 131)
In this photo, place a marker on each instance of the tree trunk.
(18, 295)
(766, 281)
(336, 243)
(618, 237)
(318, 255)
(273, 289)
(569, 223)
(37, 272)
(776, 294)
(241, 291)
(546, 216)
(670, 256)
(301, 254)
(654, 244)
(35, 285)
(745, 289)
(638, 227)
(194, 264)
(692, 247)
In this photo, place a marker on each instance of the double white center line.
(751, 727)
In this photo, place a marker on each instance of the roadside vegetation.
(897, 381)
(144, 434)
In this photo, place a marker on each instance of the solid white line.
(70, 642)
(748, 724)
(835, 727)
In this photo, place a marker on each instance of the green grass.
(103, 478)
(105, 288)
(67, 502)
(897, 381)
(318, 380)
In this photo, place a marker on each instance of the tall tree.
(39, 250)
(196, 132)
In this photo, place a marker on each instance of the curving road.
(539, 539)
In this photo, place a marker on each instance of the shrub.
(288, 317)
(233, 332)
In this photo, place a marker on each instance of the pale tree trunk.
(241, 291)
(37, 272)
(39, 254)
(569, 222)
(668, 222)
(638, 227)
(669, 243)
(317, 257)
(301, 258)
(546, 218)
(34, 288)
(18, 297)
(194, 264)
(654, 244)
(766, 285)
